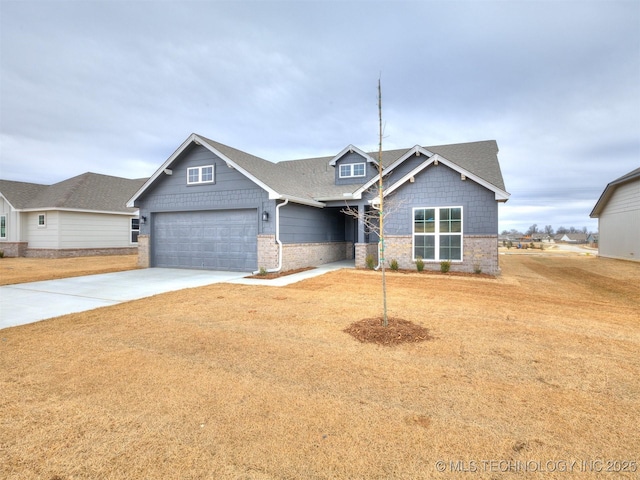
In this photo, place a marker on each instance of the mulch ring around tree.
(398, 331)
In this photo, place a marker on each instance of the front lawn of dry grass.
(235, 381)
(21, 270)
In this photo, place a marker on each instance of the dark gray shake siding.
(440, 186)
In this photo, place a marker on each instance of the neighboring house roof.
(312, 181)
(573, 237)
(86, 192)
(634, 175)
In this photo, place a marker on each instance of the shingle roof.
(314, 178)
(89, 191)
(610, 188)
(20, 194)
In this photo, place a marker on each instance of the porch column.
(361, 228)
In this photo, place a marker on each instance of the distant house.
(84, 215)
(618, 214)
(571, 238)
(211, 206)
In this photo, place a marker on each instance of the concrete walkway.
(31, 302)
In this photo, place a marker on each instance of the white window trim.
(200, 181)
(437, 234)
(44, 218)
(351, 168)
(3, 237)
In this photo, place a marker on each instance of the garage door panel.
(213, 240)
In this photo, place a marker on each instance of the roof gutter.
(302, 201)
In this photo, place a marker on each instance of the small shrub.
(509, 244)
(262, 271)
(419, 264)
(477, 269)
(1, 253)
(370, 262)
(445, 266)
(394, 265)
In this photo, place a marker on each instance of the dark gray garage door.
(211, 240)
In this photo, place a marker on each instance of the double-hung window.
(3, 227)
(437, 233)
(349, 170)
(197, 175)
(42, 220)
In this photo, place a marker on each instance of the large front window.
(437, 233)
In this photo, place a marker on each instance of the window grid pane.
(207, 174)
(450, 247)
(193, 175)
(425, 247)
(358, 170)
(424, 220)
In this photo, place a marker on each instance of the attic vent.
(462, 176)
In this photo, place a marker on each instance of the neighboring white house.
(618, 214)
(84, 215)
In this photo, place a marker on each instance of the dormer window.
(197, 175)
(350, 170)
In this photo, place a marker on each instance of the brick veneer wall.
(300, 255)
(78, 252)
(364, 249)
(267, 252)
(14, 249)
(143, 251)
(480, 252)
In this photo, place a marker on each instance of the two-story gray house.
(210, 206)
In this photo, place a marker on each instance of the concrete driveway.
(31, 302)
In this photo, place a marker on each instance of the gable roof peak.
(352, 149)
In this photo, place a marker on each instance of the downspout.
(278, 241)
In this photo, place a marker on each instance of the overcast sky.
(115, 87)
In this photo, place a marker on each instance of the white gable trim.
(415, 150)
(193, 138)
(352, 149)
(500, 195)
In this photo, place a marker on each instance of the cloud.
(115, 87)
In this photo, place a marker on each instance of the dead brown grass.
(233, 381)
(21, 270)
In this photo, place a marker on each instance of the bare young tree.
(373, 221)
